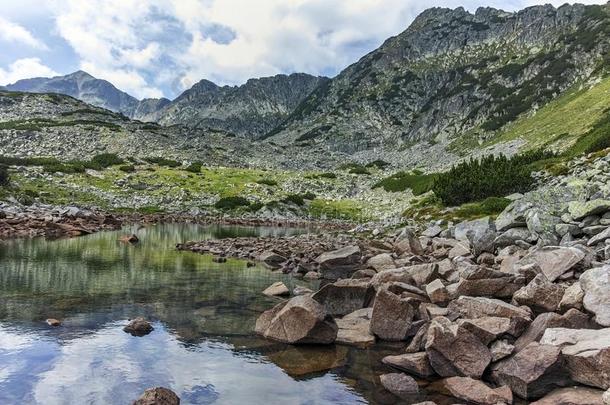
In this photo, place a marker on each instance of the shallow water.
(203, 313)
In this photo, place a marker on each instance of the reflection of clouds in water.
(114, 367)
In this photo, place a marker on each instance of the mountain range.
(454, 83)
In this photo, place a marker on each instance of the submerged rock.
(298, 361)
(399, 384)
(158, 396)
(138, 327)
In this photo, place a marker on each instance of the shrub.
(418, 183)
(359, 170)
(491, 176)
(267, 182)
(327, 175)
(194, 167)
(294, 199)
(162, 162)
(127, 168)
(106, 160)
(489, 206)
(380, 164)
(5, 178)
(231, 203)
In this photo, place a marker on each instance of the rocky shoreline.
(484, 312)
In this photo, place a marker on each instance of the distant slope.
(451, 74)
(82, 86)
(250, 110)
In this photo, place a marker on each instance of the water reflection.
(203, 313)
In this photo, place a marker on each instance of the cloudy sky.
(153, 48)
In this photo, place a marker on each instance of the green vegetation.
(354, 168)
(105, 160)
(127, 168)
(231, 203)
(163, 162)
(417, 182)
(379, 164)
(267, 182)
(326, 175)
(490, 176)
(298, 199)
(194, 167)
(5, 178)
(336, 209)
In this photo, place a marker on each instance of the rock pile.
(493, 310)
(18, 221)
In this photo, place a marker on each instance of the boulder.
(586, 352)
(158, 396)
(572, 298)
(392, 316)
(276, 289)
(511, 236)
(138, 327)
(339, 263)
(479, 307)
(572, 396)
(408, 243)
(345, 296)
(354, 329)
(271, 259)
(554, 261)
(475, 391)
(53, 322)
(501, 349)
(301, 320)
(482, 281)
(401, 274)
(533, 372)
(467, 230)
(606, 397)
(133, 239)
(490, 328)
(595, 284)
(412, 363)
(600, 237)
(513, 216)
(437, 292)
(540, 294)
(454, 351)
(381, 262)
(432, 231)
(572, 319)
(399, 384)
(579, 210)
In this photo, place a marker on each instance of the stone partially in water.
(345, 296)
(392, 316)
(412, 363)
(354, 328)
(276, 289)
(301, 320)
(299, 361)
(399, 384)
(53, 322)
(474, 391)
(129, 239)
(271, 259)
(158, 396)
(138, 327)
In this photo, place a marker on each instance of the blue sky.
(154, 48)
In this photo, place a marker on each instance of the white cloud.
(24, 69)
(12, 32)
(143, 46)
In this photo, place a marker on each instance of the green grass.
(562, 121)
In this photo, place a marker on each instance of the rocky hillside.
(83, 86)
(453, 76)
(61, 126)
(250, 110)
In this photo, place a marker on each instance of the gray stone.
(158, 396)
(501, 349)
(408, 243)
(586, 352)
(454, 351)
(271, 259)
(301, 320)
(596, 285)
(392, 316)
(354, 329)
(600, 237)
(540, 294)
(554, 261)
(339, 263)
(381, 262)
(479, 307)
(345, 296)
(579, 210)
(572, 298)
(399, 384)
(413, 363)
(533, 372)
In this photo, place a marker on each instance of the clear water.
(203, 313)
